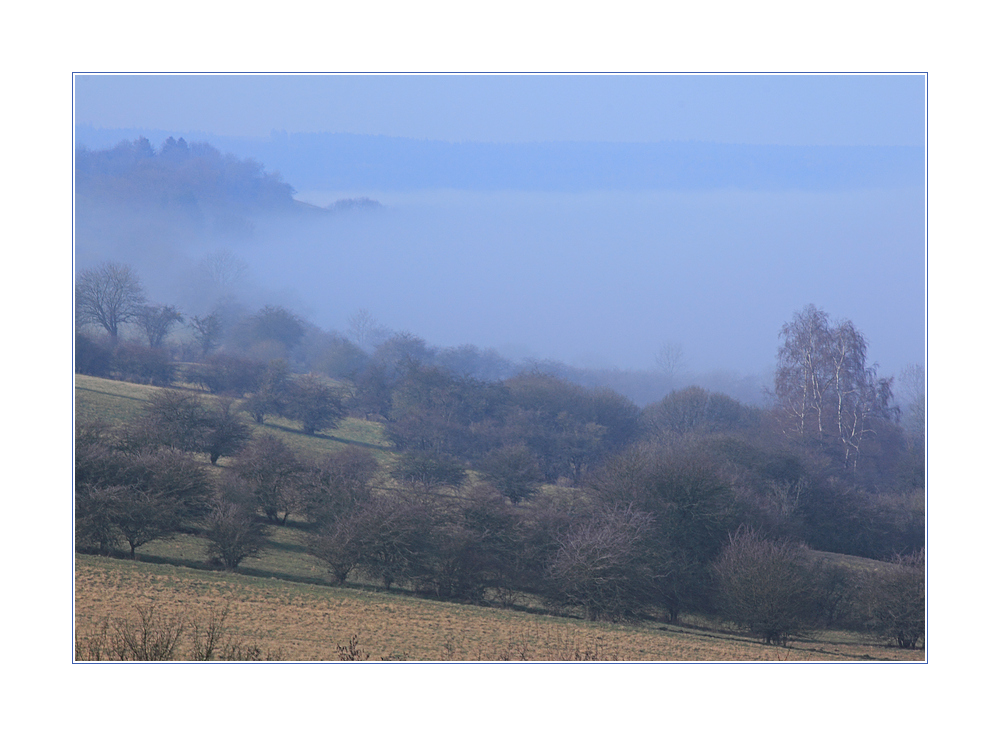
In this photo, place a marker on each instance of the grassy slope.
(117, 401)
(282, 596)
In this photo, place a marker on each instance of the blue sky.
(788, 109)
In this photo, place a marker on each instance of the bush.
(149, 635)
(315, 404)
(514, 470)
(92, 357)
(337, 484)
(896, 602)
(139, 364)
(473, 545)
(386, 537)
(135, 496)
(603, 566)
(428, 470)
(234, 533)
(763, 586)
(272, 476)
(228, 374)
(94, 517)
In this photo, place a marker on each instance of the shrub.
(234, 533)
(603, 566)
(272, 475)
(896, 602)
(315, 404)
(228, 374)
(763, 586)
(149, 635)
(338, 483)
(136, 496)
(514, 470)
(92, 357)
(139, 364)
(429, 470)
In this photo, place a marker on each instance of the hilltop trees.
(109, 295)
(183, 178)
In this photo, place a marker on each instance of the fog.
(605, 279)
(596, 280)
(693, 237)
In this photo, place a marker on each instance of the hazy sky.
(599, 278)
(842, 110)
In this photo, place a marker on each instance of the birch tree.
(824, 386)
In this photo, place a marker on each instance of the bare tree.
(225, 270)
(234, 533)
(514, 470)
(764, 586)
(670, 358)
(365, 330)
(602, 565)
(895, 599)
(208, 331)
(824, 385)
(272, 474)
(109, 295)
(156, 322)
(313, 402)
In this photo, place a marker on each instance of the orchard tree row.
(661, 529)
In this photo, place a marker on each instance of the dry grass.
(313, 622)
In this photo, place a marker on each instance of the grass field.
(101, 399)
(282, 600)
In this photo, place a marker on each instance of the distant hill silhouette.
(177, 175)
(348, 162)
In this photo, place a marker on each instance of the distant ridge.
(342, 161)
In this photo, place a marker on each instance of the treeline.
(503, 486)
(701, 522)
(170, 194)
(181, 174)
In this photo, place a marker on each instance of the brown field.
(281, 602)
(303, 622)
